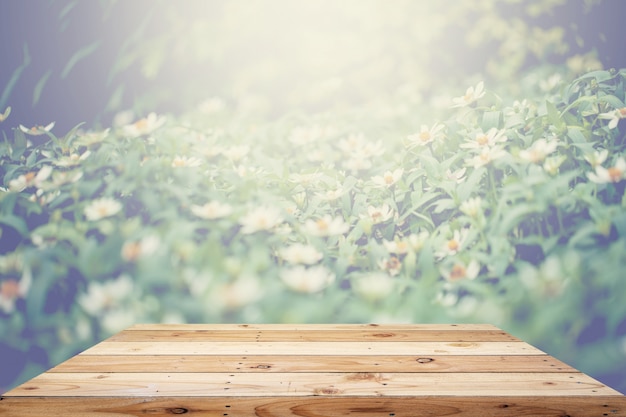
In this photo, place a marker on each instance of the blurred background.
(84, 61)
(72, 61)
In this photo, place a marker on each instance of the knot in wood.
(424, 360)
(178, 410)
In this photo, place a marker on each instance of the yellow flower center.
(615, 174)
(402, 247)
(141, 124)
(10, 289)
(482, 139)
(322, 224)
(131, 251)
(103, 211)
(388, 179)
(394, 263)
(622, 112)
(453, 244)
(425, 136)
(458, 272)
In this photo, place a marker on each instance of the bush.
(495, 210)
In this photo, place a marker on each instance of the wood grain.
(297, 384)
(407, 335)
(315, 348)
(410, 406)
(295, 363)
(322, 370)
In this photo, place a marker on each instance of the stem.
(492, 181)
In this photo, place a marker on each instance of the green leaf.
(613, 101)
(39, 87)
(491, 119)
(554, 116)
(513, 215)
(576, 135)
(78, 56)
(15, 222)
(115, 101)
(19, 144)
(15, 77)
(600, 76)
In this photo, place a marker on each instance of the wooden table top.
(280, 370)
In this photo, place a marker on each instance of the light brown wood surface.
(313, 370)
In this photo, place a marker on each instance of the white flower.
(92, 138)
(101, 208)
(37, 130)
(418, 240)
(613, 174)
(461, 271)
(614, 116)
(358, 146)
(102, 296)
(212, 210)
(305, 179)
(457, 176)
(301, 254)
(425, 136)
(481, 140)
(391, 265)
(378, 214)
(552, 164)
(307, 280)
(132, 251)
(597, 157)
(72, 159)
(471, 95)
(331, 195)
(65, 177)
(143, 126)
(326, 226)
(399, 247)
(388, 179)
(260, 219)
(30, 179)
(472, 207)
(373, 286)
(486, 156)
(186, 161)
(538, 151)
(3, 116)
(242, 291)
(453, 245)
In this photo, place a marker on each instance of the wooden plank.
(293, 363)
(436, 406)
(408, 335)
(311, 384)
(317, 348)
(310, 327)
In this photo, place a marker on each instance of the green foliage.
(506, 212)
